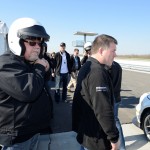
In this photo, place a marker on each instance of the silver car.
(142, 119)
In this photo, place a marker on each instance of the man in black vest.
(116, 75)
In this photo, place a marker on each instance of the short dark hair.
(63, 44)
(76, 49)
(102, 41)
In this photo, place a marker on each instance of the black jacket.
(83, 60)
(25, 106)
(58, 61)
(92, 110)
(72, 63)
(116, 75)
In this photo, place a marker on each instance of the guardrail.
(135, 67)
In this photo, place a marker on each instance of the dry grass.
(134, 56)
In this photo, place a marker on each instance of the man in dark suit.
(75, 66)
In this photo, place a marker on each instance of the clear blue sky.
(127, 20)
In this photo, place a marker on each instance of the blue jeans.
(62, 78)
(118, 124)
(30, 144)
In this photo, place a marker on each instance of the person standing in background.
(75, 66)
(44, 54)
(62, 71)
(87, 48)
(52, 59)
(116, 75)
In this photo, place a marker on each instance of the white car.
(142, 119)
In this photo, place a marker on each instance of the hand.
(43, 62)
(89, 55)
(85, 54)
(53, 74)
(115, 146)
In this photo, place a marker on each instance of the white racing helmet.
(24, 28)
(87, 46)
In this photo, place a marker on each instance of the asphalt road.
(134, 84)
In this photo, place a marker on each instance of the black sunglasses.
(32, 43)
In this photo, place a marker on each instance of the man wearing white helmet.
(87, 48)
(24, 103)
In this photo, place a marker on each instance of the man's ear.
(100, 51)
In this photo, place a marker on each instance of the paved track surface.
(134, 84)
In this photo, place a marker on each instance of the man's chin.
(33, 59)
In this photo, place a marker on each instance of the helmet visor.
(33, 31)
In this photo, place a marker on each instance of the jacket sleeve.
(21, 82)
(83, 60)
(102, 103)
(71, 62)
(68, 62)
(79, 63)
(116, 73)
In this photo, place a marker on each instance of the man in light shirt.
(62, 71)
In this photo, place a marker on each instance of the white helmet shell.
(87, 46)
(21, 28)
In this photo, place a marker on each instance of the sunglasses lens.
(31, 43)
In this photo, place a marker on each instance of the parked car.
(142, 119)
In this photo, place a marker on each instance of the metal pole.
(84, 38)
(84, 42)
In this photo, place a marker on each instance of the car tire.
(146, 125)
